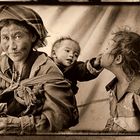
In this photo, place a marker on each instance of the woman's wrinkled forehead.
(12, 29)
(9, 22)
(10, 25)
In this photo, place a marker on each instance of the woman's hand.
(10, 125)
(3, 125)
(11, 88)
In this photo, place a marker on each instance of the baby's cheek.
(75, 59)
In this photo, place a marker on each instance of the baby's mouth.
(69, 61)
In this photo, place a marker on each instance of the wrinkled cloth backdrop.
(91, 26)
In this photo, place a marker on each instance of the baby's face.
(67, 53)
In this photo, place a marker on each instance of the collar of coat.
(40, 60)
(134, 85)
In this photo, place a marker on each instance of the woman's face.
(16, 42)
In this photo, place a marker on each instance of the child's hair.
(57, 43)
(127, 43)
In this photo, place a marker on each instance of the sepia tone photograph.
(69, 72)
(120, 1)
(52, 1)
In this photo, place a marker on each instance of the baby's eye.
(67, 50)
(76, 55)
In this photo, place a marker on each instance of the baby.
(65, 52)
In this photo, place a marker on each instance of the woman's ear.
(118, 59)
(34, 37)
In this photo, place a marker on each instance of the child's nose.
(71, 54)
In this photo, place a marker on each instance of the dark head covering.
(22, 13)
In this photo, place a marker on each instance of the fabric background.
(91, 26)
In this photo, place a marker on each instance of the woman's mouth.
(15, 53)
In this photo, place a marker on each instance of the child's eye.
(76, 55)
(67, 50)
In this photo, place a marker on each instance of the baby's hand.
(97, 60)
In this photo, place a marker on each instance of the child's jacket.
(79, 71)
(125, 111)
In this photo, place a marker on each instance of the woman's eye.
(4, 38)
(18, 36)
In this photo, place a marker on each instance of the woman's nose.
(12, 44)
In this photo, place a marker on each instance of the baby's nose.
(71, 54)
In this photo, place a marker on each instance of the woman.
(34, 97)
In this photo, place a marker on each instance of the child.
(65, 52)
(122, 58)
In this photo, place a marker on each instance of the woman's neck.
(18, 66)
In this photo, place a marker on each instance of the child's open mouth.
(69, 61)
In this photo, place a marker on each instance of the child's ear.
(118, 59)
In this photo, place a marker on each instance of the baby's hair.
(57, 43)
(127, 43)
